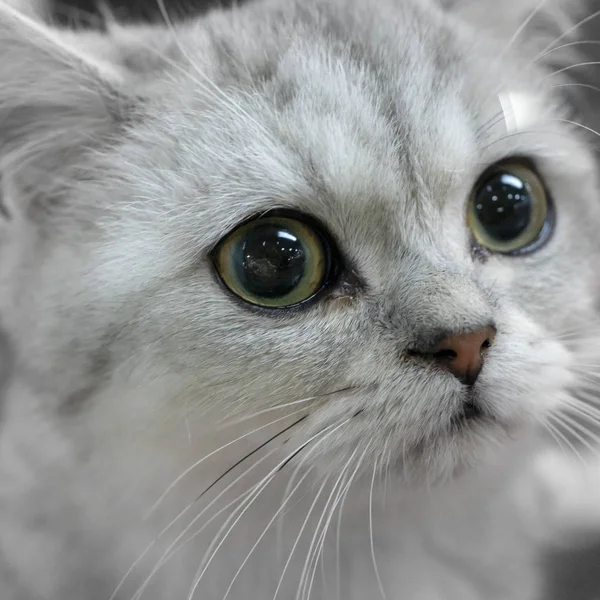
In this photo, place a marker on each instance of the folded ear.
(55, 103)
(529, 25)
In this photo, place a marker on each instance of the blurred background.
(573, 572)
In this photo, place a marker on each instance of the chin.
(472, 444)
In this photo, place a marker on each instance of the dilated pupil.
(271, 261)
(504, 206)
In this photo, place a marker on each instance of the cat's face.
(303, 214)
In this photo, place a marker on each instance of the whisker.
(323, 434)
(514, 134)
(580, 125)
(576, 429)
(578, 407)
(491, 122)
(578, 331)
(522, 28)
(587, 392)
(341, 494)
(562, 46)
(239, 462)
(268, 410)
(587, 372)
(575, 412)
(589, 387)
(551, 430)
(570, 67)
(235, 516)
(203, 459)
(298, 468)
(171, 550)
(287, 404)
(557, 424)
(167, 554)
(295, 545)
(590, 368)
(582, 407)
(131, 569)
(264, 532)
(566, 33)
(375, 567)
(303, 585)
(338, 548)
(306, 567)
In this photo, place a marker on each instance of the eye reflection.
(275, 262)
(509, 211)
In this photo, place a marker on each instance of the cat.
(294, 295)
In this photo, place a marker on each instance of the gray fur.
(126, 156)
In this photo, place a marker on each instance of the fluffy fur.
(136, 381)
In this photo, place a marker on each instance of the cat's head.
(378, 220)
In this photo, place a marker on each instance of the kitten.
(291, 293)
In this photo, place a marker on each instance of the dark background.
(572, 574)
(75, 11)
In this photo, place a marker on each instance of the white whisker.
(522, 28)
(314, 541)
(566, 33)
(264, 532)
(271, 409)
(576, 429)
(558, 423)
(551, 430)
(342, 490)
(338, 549)
(574, 66)
(302, 528)
(169, 552)
(338, 489)
(131, 569)
(375, 567)
(298, 468)
(210, 454)
(568, 45)
(585, 410)
(589, 395)
(256, 492)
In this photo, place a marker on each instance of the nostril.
(487, 344)
(446, 354)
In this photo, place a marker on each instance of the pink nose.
(463, 354)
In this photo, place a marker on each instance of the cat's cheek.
(526, 379)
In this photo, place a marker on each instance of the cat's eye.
(509, 210)
(274, 261)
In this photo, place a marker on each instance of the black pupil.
(503, 206)
(271, 260)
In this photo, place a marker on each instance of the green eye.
(274, 262)
(509, 211)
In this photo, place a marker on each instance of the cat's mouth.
(470, 413)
